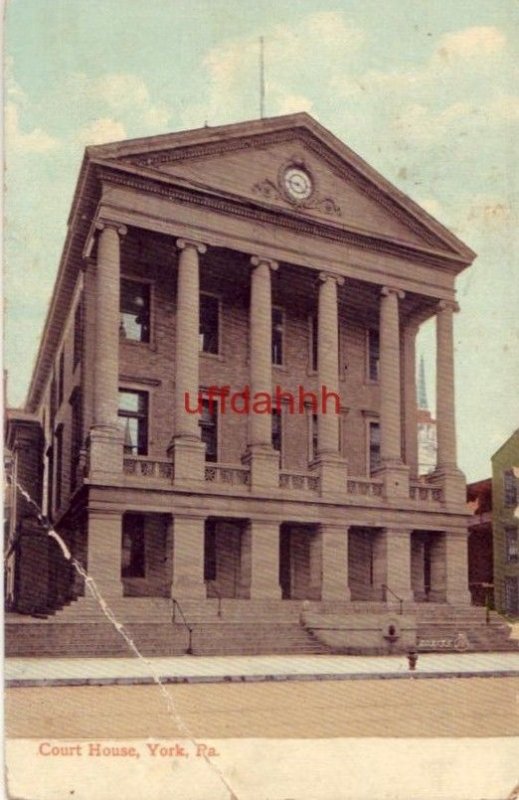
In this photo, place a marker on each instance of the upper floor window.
(135, 311)
(374, 447)
(133, 551)
(313, 437)
(61, 378)
(314, 340)
(510, 485)
(373, 354)
(209, 323)
(133, 411)
(78, 332)
(209, 429)
(512, 551)
(277, 438)
(277, 336)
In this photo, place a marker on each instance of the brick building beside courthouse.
(258, 254)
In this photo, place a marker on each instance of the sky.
(426, 91)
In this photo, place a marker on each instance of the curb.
(21, 683)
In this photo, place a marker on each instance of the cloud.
(100, 131)
(476, 42)
(17, 141)
(129, 96)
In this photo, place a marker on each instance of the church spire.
(422, 390)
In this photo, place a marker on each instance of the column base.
(332, 470)
(188, 456)
(263, 462)
(396, 480)
(453, 484)
(105, 451)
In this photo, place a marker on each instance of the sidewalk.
(25, 672)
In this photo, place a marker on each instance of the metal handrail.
(176, 604)
(400, 600)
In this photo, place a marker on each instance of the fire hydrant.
(412, 657)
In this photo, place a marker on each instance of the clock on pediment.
(297, 185)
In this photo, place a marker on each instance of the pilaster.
(398, 564)
(188, 558)
(260, 552)
(334, 543)
(457, 578)
(104, 552)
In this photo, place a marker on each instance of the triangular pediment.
(249, 161)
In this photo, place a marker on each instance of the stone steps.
(101, 639)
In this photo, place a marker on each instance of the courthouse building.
(249, 256)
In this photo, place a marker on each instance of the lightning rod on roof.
(262, 78)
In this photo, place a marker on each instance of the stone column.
(457, 578)
(261, 457)
(335, 563)
(331, 466)
(104, 552)
(398, 564)
(186, 449)
(410, 430)
(260, 552)
(106, 437)
(188, 558)
(396, 475)
(454, 487)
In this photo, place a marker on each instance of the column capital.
(331, 276)
(447, 305)
(200, 247)
(270, 262)
(387, 290)
(118, 227)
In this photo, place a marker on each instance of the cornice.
(286, 218)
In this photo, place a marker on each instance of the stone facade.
(275, 220)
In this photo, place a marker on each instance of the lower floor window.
(133, 561)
